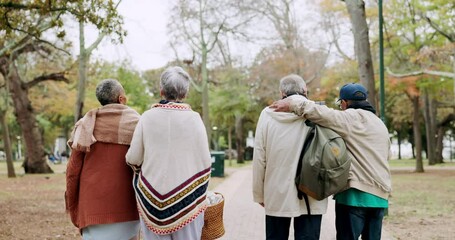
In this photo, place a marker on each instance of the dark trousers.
(305, 227)
(351, 222)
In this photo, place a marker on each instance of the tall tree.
(334, 21)
(5, 130)
(35, 161)
(360, 30)
(233, 106)
(24, 24)
(271, 64)
(408, 84)
(415, 50)
(281, 14)
(440, 16)
(199, 24)
(103, 14)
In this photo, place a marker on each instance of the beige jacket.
(277, 146)
(366, 137)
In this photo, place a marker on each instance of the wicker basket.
(213, 221)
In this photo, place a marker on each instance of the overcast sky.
(146, 42)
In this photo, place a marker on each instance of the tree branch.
(14, 44)
(447, 120)
(53, 46)
(318, 73)
(43, 26)
(417, 73)
(216, 36)
(100, 37)
(18, 6)
(26, 48)
(340, 51)
(95, 44)
(450, 37)
(188, 36)
(395, 53)
(59, 77)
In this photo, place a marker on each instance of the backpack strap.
(306, 144)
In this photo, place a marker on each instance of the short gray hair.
(108, 91)
(175, 83)
(293, 84)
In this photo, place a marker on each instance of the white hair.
(293, 84)
(175, 83)
(108, 91)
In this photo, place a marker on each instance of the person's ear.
(122, 99)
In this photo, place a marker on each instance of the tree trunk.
(82, 74)
(35, 160)
(433, 130)
(230, 145)
(7, 145)
(399, 144)
(417, 134)
(356, 10)
(239, 138)
(453, 65)
(439, 145)
(429, 125)
(413, 150)
(205, 94)
(411, 137)
(84, 56)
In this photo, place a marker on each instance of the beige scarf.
(112, 123)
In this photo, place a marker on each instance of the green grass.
(412, 163)
(421, 195)
(421, 205)
(57, 168)
(402, 163)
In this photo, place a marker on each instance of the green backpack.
(324, 164)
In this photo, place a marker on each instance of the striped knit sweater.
(169, 152)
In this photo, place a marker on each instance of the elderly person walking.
(170, 154)
(277, 147)
(359, 209)
(99, 196)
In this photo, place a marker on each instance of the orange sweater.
(99, 186)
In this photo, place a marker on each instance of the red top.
(99, 186)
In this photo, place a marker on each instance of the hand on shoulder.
(284, 105)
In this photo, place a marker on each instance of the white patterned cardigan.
(170, 154)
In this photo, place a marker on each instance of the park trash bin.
(248, 154)
(217, 164)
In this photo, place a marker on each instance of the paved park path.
(245, 219)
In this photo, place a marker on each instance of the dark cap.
(353, 91)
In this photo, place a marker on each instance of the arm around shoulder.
(297, 104)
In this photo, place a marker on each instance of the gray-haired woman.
(170, 154)
(99, 196)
